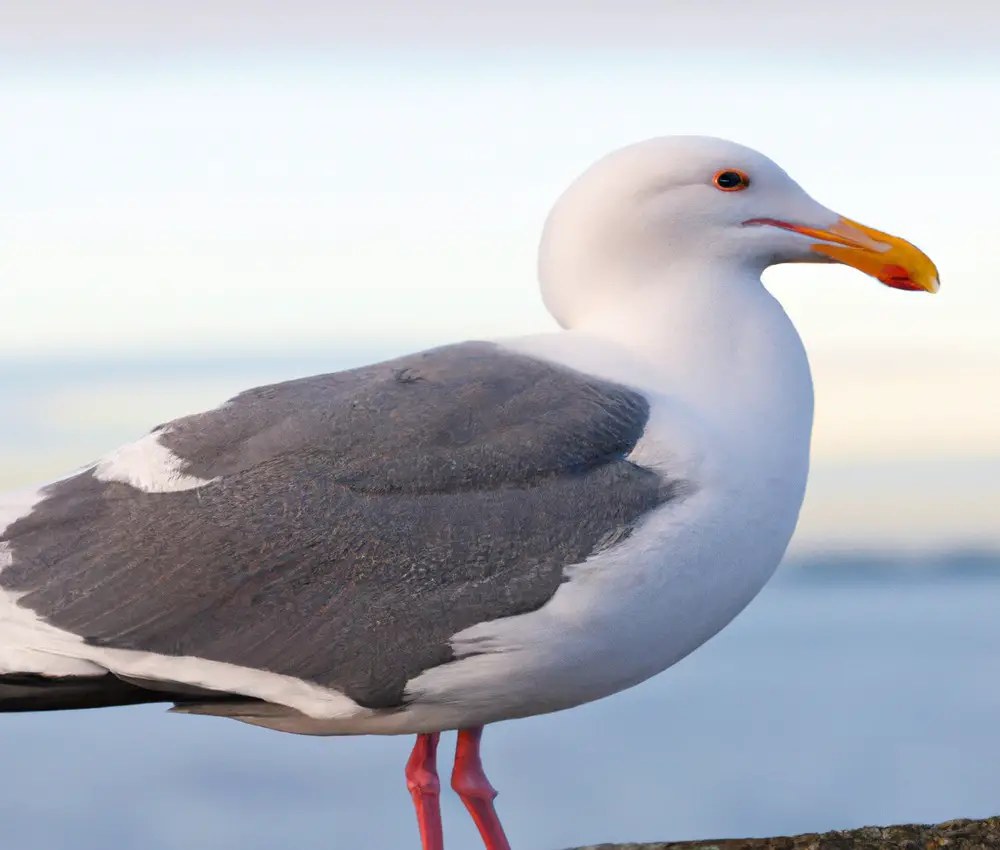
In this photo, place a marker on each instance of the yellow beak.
(893, 261)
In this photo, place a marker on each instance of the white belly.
(621, 618)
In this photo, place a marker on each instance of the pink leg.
(471, 784)
(425, 788)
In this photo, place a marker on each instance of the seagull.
(488, 530)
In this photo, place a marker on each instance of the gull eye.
(731, 180)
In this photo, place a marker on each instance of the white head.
(642, 213)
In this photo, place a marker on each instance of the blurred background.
(199, 196)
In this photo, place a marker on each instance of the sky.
(255, 177)
(927, 30)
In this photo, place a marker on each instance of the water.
(840, 697)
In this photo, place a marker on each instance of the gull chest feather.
(634, 609)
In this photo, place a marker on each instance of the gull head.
(677, 207)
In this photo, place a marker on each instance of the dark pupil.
(729, 180)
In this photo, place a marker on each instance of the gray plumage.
(356, 522)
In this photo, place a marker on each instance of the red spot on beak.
(898, 278)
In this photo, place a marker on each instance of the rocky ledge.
(953, 835)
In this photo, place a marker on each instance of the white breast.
(734, 422)
(628, 613)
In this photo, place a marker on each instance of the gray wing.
(354, 521)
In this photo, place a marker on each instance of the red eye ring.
(731, 180)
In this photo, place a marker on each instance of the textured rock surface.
(953, 835)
